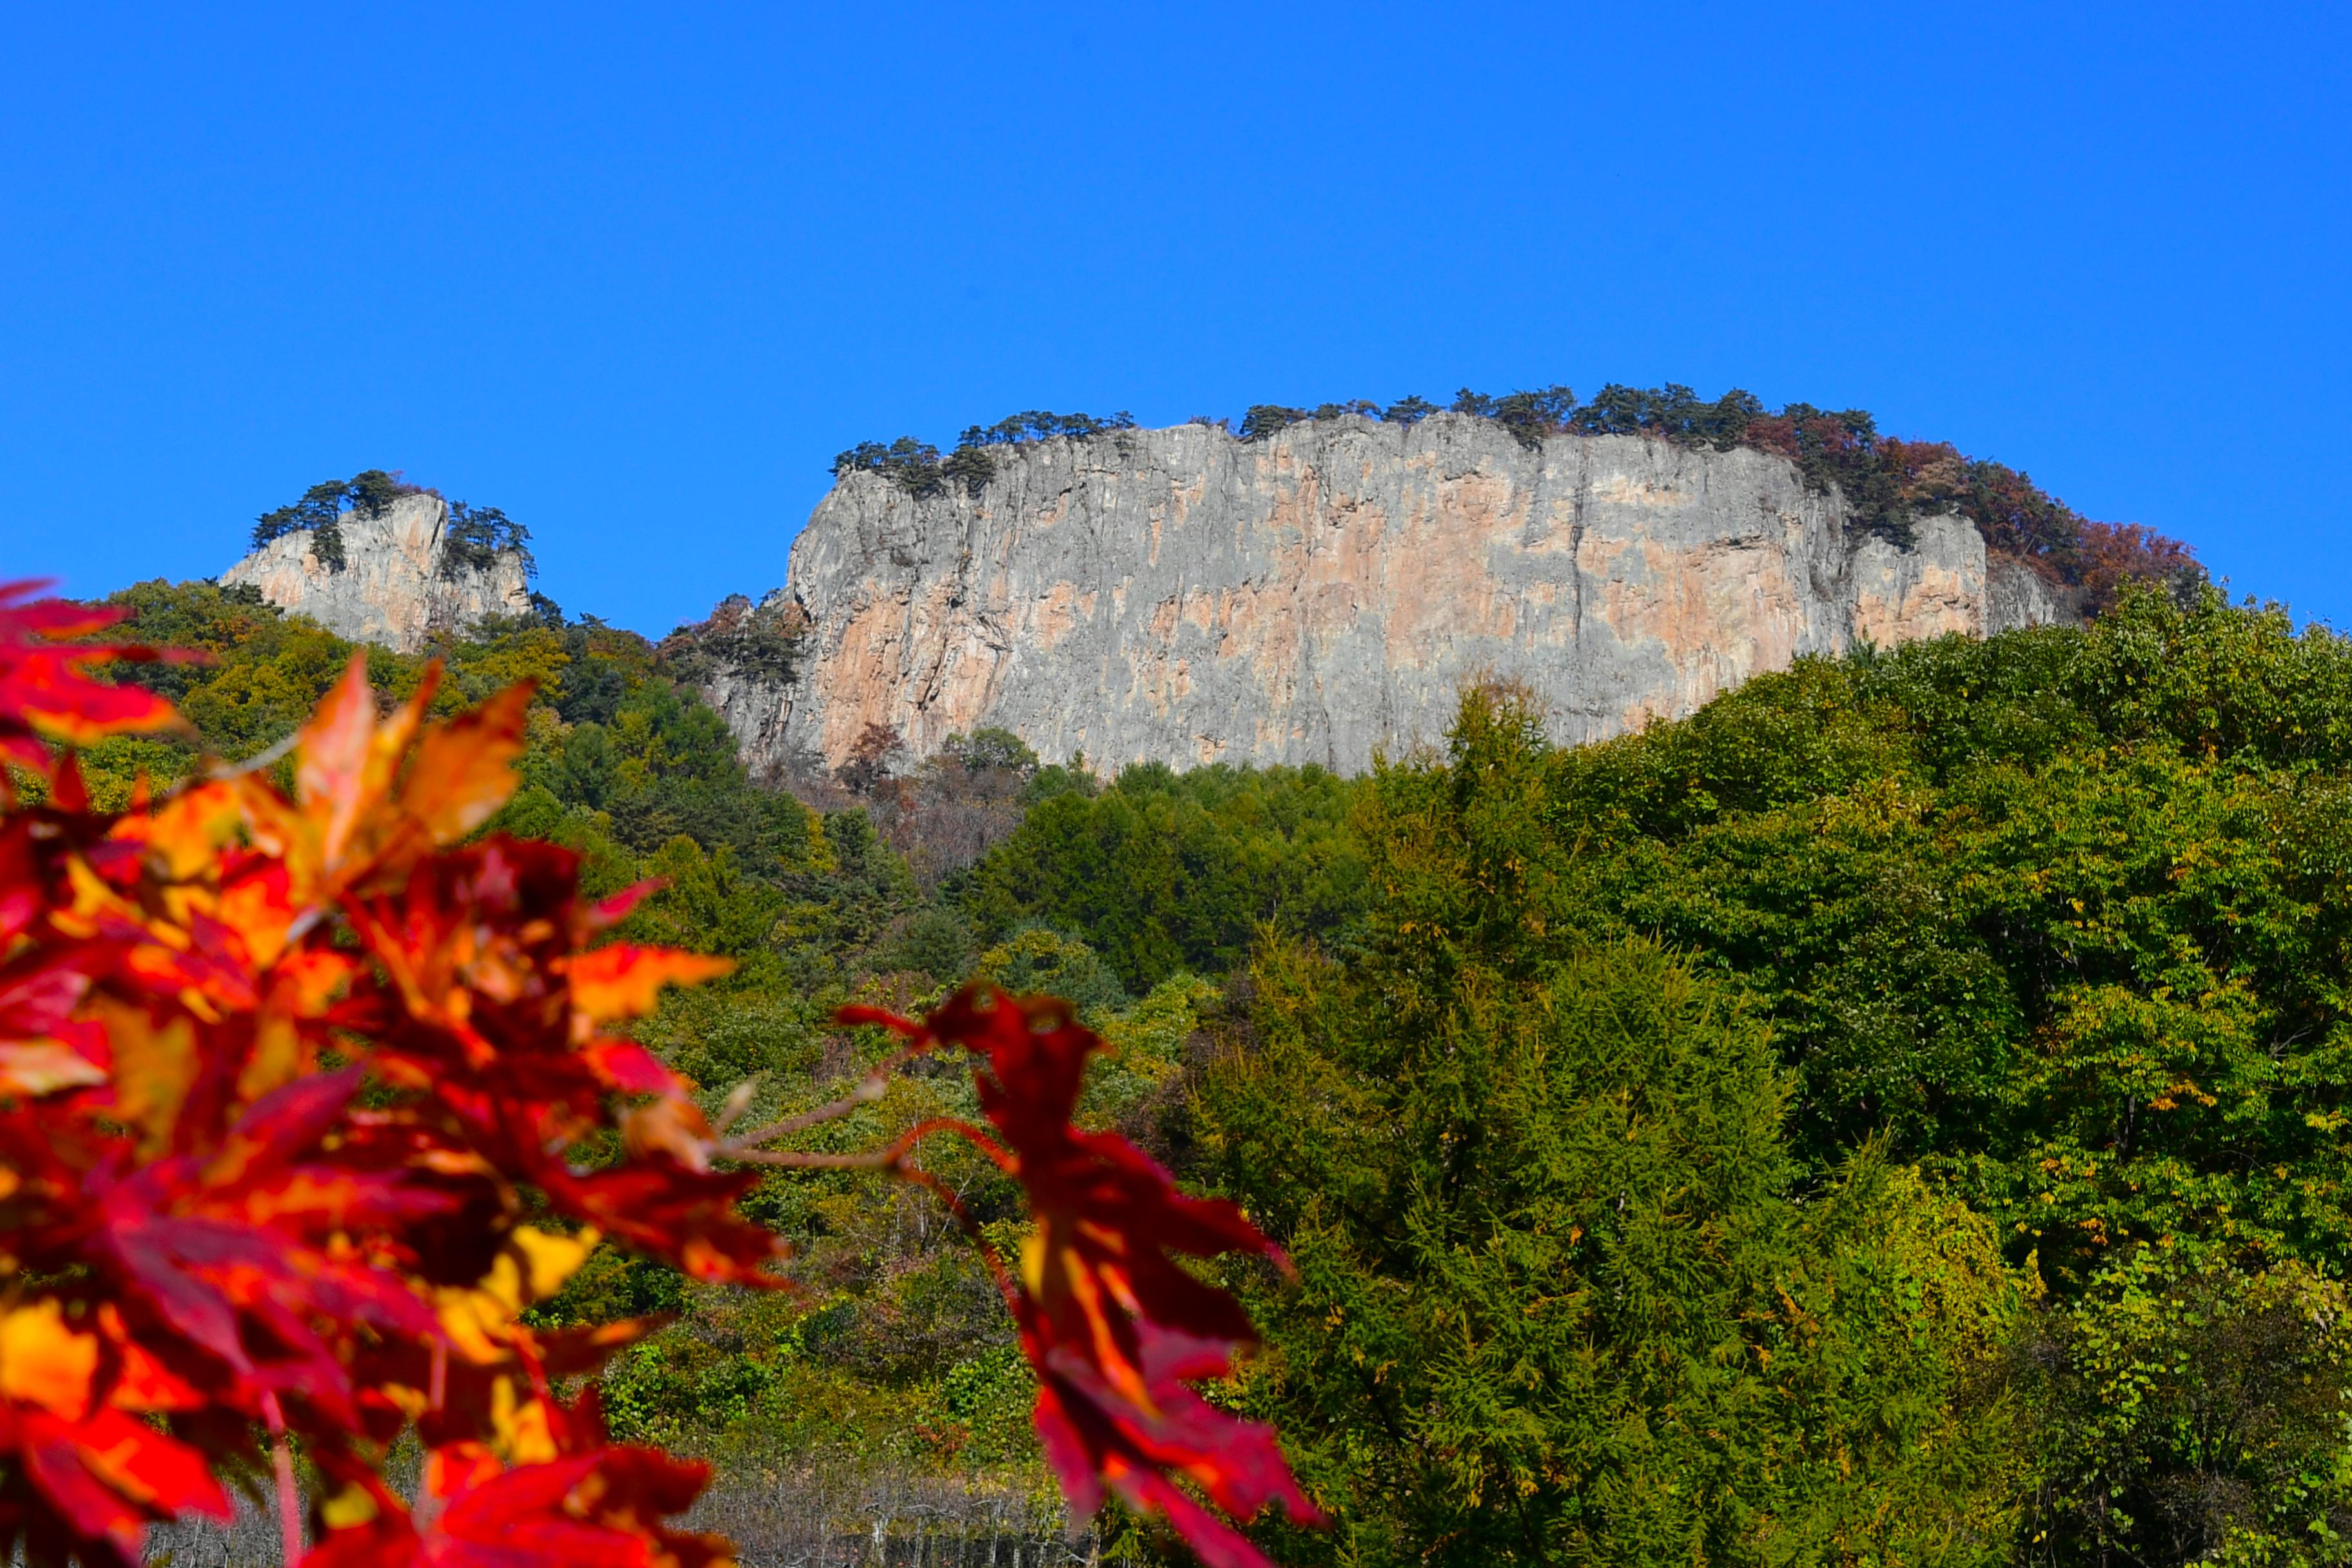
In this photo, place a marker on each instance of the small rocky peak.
(377, 561)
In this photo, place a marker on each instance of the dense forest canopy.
(1888, 483)
(1898, 1113)
(2053, 926)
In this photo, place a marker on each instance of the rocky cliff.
(1323, 594)
(399, 582)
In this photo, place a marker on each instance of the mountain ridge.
(1320, 594)
(1311, 586)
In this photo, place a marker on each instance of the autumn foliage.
(1112, 1324)
(308, 1094)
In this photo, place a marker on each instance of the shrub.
(1036, 424)
(762, 641)
(1262, 419)
(2189, 1411)
(913, 465)
(992, 748)
(917, 467)
(475, 537)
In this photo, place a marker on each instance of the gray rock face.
(1323, 595)
(392, 588)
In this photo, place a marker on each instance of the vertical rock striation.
(1181, 597)
(398, 584)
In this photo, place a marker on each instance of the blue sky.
(637, 277)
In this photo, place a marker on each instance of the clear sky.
(636, 273)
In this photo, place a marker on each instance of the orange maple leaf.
(372, 797)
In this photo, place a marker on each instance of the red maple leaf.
(203, 1226)
(596, 1510)
(1114, 1325)
(44, 694)
(97, 1482)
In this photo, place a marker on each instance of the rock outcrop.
(1321, 595)
(398, 584)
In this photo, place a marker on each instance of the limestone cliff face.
(393, 587)
(1183, 596)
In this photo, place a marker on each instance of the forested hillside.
(1925, 1072)
(1898, 1114)
(894, 1368)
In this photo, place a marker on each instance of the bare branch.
(892, 1155)
(739, 1100)
(218, 769)
(799, 1160)
(875, 1085)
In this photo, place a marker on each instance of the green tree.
(1261, 420)
(2187, 1411)
(1167, 872)
(1555, 1300)
(1558, 1297)
(2065, 912)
